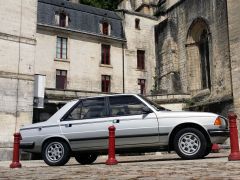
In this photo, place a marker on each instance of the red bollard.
(215, 148)
(111, 147)
(234, 155)
(15, 162)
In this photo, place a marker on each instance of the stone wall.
(234, 41)
(139, 39)
(174, 51)
(17, 52)
(83, 65)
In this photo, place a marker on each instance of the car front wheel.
(190, 143)
(85, 158)
(56, 153)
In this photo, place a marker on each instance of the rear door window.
(88, 109)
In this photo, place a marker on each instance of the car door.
(86, 125)
(134, 128)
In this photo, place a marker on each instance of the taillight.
(218, 122)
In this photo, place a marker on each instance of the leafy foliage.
(104, 4)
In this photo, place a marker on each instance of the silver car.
(80, 129)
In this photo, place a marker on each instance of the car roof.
(107, 95)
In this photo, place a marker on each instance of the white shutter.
(67, 20)
(57, 18)
(109, 29)
(100, 28)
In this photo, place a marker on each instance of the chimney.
(74, 1)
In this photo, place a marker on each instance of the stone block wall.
(174, 33)
(139, 39)
(234, 41)
(83, 64)
(17, 52)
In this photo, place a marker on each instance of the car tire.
(56, 153)
(85, 159)
(208, 150)
(190, 143)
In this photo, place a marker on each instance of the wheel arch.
(55, 138)
(187, 125)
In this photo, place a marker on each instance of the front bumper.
(218, 136)
(219, 132)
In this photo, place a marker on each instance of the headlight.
(221, 121)
(218, 121)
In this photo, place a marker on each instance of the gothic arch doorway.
(198, 56)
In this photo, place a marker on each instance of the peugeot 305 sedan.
(80, 129)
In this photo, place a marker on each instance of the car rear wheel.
(56, 153)
(85, 158)
(190, 143)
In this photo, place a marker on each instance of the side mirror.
(146, 110)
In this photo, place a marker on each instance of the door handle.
(116, 121)
(68, 125)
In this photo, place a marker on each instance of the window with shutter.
(106, 83)
(105, 54)
(61, 79)
(141, 83)
(61, 49)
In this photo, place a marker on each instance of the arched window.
(199, 56)
(204, 55)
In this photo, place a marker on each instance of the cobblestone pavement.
(160, 166)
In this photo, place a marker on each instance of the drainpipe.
(123, 66)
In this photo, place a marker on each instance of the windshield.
(154, 105)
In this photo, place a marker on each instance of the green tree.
(104, 4)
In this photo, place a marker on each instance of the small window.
(61, 79)
(141, 83)
(125, 106)
(140, 59)
(137, 23)
(88, 109)
(61, 19)
(61, 48)
(106, 83)
(105, 54)
(105, 28)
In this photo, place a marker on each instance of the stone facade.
(83, 64)
(187, 64)
(139, 39)
(17, 52)
(190, 54)
(234, 42)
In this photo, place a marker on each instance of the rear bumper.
(27, 145)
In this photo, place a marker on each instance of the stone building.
(17, 63)
(92, 51)
(81, 51)
(184, 54)
(234, 48)
(193, 54)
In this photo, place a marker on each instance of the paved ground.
(161, 166)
